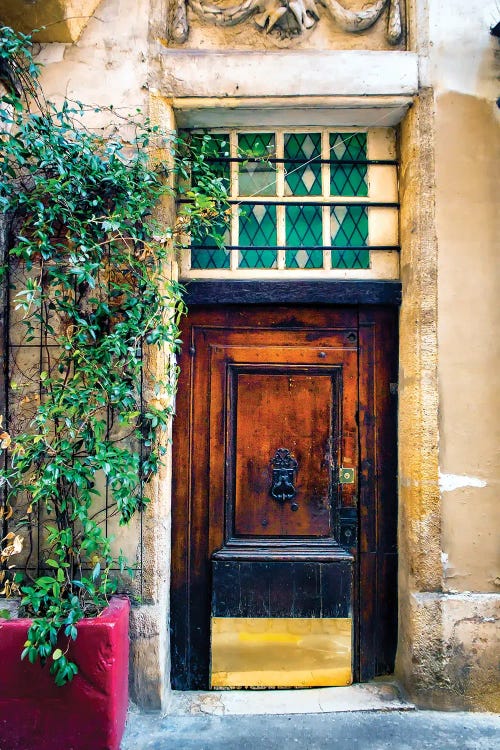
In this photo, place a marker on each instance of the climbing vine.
(85, 263)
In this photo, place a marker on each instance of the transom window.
(311, 200)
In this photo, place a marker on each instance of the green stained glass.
(210, 257)
(304, 258)
(347, 146)
(349, 226)
(258, 236)
(304, 225)
(257, 258)
(256, 145)
(348, 179)
(303, 179)
(206, 250)
(350, 259)
(258, 225)
(256, 176)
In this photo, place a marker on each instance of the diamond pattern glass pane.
(257, 258)
(302, 179)
(207, 247)
(350, 259)
(349, 226)
(304, 258)
(304, 227)
(348, 179)
(256, 176)
(257, 233)
(299, 224)
(210, 257)
(258, 225)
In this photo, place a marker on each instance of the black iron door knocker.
(284, 470)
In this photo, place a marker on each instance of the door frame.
(377, 303)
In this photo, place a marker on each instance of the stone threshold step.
(372, 696)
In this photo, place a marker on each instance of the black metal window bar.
(306, 211)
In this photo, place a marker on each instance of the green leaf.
(57, 654)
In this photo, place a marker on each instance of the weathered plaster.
(109, 63)
(57, 20)
(450, 482)
(467, 187)
(455, 650)
(462, 51)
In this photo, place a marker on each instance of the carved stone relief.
(284, 19)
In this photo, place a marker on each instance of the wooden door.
(284, 485)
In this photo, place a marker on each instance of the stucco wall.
(108, 65)
(466, 86)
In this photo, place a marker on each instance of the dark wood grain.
(281, 589)
(378, 492)
(328, 292)
(286, 409)
(252, 378)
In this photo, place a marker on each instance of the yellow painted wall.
(466, 65)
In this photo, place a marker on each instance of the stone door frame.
(419, 497)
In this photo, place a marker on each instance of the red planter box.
(87, 714)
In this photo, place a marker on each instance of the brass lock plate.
(346, 476)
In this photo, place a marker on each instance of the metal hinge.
(393, 389)
(192, 351)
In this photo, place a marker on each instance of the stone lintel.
(288, 73)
